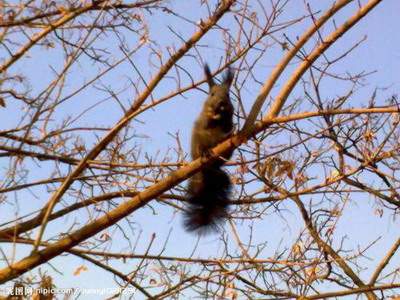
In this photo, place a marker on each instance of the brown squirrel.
(209, 189)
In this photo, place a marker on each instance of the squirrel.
(209, 189)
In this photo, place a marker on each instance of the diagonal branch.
(269, 84)
(328, 249)
(384, 262)
(315, 54)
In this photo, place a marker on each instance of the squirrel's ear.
(228, 76)
(209, 77)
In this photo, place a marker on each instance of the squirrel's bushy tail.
(208, 197)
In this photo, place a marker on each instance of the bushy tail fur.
(208, 198)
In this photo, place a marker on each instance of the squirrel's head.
(222, 88)
(218, 103)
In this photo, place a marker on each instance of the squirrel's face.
(218, 109)
(218, 104)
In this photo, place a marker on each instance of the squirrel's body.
(209, 189)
